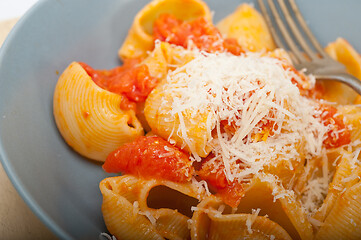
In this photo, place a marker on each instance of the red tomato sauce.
(338, 133)
(132, 80)
(150, 157)
(230, 192)
(204, 35)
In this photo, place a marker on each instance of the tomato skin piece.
(338, 134)
(150, 157)
(132, 80)
(232, 46)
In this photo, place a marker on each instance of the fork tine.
(295, 31)
(285, 32)
(276, 38)
(305, 28)
(273, 31)
(287, 37)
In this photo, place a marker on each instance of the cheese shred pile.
(256, 113)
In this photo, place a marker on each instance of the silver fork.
(312, 58)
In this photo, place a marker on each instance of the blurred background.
(14, 8)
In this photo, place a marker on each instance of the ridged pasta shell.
(156, 194)
(344, 220)
(248, 26)
(344, 170)
(209, 223)
(305, 176)
(287, 170)
(234, 226)
(315, 168)
(165, 205)
(171, 224)
(341, 51)
(200, 222)
(170, 204)
(158, 107)
(90, 118)
(140, 40)
(279, 204)
(157, 62)
(352, 117)
(165, 57)
(197, 126)
(121, 216)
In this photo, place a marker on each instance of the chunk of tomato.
(132, 80)
(150, 157)
(202, 33)
(338, 134)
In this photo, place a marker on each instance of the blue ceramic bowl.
(60, 186)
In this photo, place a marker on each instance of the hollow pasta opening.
(261, 197)
(165, 197)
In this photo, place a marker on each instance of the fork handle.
(346, 78)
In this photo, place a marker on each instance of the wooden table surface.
(17, 221)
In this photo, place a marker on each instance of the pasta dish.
(214, 132)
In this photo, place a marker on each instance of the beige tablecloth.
(17, 221)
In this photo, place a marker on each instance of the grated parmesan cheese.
(245, 91)
(317, 187)
(148, 214)
(201, 187)
(251, 218)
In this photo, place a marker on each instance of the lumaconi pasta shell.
(200, 222)
(158, 113)
(287, 170)
(170, 204)
(315, 168)
(161, 208)
(344, 170)
(344, 220)
(155, 194)
(234, 226)
(247, 25)
(279, 204)
(165, 57)
(343, 52)
(340, 50)
(171, 224)
(157, 108)
(302, 180)
(156, 61)
(209, 223)
(90, 118)
(120, 215)
(352, 117)
(140, 40)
